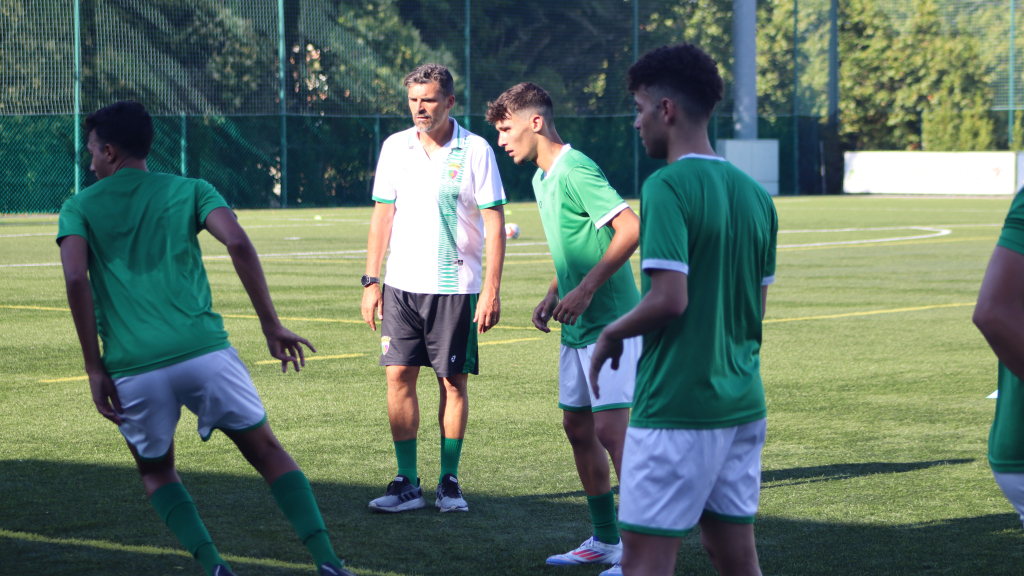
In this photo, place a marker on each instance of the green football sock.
(451, 450)
(178, 511)
(602, 514)
(405, 452)
(295, 498)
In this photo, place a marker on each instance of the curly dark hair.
(125, 124)
(521, 97)
(685, 72)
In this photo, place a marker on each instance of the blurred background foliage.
(914, 75)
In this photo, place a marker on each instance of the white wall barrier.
(959, 173)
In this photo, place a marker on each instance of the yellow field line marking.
(872, 312)
(882, 244)
(251, 317)
(506, 341)
(157, 551)
(35, 308)
(553, 329)
(66, 379)
(311, 358)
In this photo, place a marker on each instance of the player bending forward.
(437, 189)
(592, 233)
(999, 315)
(707, 238)
(129, 244)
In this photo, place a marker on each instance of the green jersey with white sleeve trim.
(1006, 438)
(704, 217)
(576, 204)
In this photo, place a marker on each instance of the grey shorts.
(215, 387)
(435, 330)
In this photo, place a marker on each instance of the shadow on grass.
(793, 476)
(500, 536)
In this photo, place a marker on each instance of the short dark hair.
(125, 124)
(685, 72)
(433, 73)
(525, 96)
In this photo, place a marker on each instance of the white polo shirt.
(437, 235)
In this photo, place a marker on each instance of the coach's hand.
(104, 396)
(488, 310)
(286, 346)
(542, 313)
(606, 348)
(573, 305)
(373, 301)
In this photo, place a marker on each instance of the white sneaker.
(449, 495)
(592, 551)
(615, 570)
(401, 496)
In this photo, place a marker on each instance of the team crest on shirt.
(385, 344)
(453, 170)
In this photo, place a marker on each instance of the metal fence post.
(1012, 101)
(78, 97)
(636, 135)
(469, 21)
(796, 101)
(284, 109)
(184, 157)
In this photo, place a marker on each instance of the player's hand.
(488, 310)
(373, 301)
(606, 348)
(104, 396)
(542, 313)
(572, 306)
(286, 346)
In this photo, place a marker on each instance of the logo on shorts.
(453, 359)
(385, 344)
(453, 170)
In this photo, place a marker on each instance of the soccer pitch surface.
(875, 377)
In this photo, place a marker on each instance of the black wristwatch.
(367, 280)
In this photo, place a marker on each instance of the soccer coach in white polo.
(437, 190)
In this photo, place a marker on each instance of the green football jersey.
(704, 217)
(152, 298)
(576, 204)
(1006, 438)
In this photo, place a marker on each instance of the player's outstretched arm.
(284, 345)
(666, 300)
(488, 307)
(376, 245)
(999, 313)
(623, 244)
(74, 257)
(542, 313)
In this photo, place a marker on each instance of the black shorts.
(435, 330)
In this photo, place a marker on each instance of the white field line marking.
(868, 313)
(29, 265)
(936, 232)
(54, 234)
(289, 254)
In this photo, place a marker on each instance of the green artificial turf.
(877, 423)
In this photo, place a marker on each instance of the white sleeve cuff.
(656, 264)
(768, 280)
(610, 215)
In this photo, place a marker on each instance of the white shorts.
(671, 478)
(1012, 485)
(574, 392)
(216, 387)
